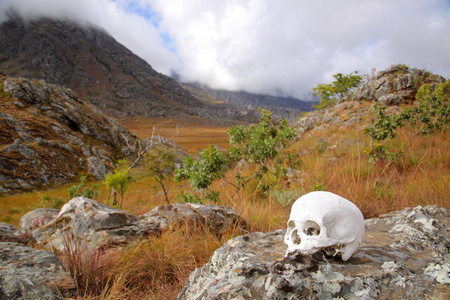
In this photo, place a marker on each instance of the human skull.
(324, 221)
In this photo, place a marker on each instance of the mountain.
(48, 136)
(97, 67)
(287, 107)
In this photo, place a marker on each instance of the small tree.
(120, 180)
(161, 164)
(338, 89)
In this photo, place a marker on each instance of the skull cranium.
(325, 221)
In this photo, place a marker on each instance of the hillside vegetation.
(332, 150)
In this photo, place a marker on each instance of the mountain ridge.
(95, 65)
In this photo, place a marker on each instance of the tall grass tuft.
(86, 266)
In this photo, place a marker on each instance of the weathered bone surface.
(324, 221)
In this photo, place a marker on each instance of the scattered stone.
(404, 255)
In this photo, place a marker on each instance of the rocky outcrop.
(27, 273)
(404, 255)
(9, 233)
(393, 87)
(342, 115)
(48, 136)
(96, 225)
(88, 222)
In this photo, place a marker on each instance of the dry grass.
(192, 136)
(157, 268)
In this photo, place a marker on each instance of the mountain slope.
(92, 63)
(48, 136)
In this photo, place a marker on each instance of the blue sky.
(265, 45)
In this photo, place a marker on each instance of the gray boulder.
(89, 222)
(217, 218)
(37, 218)
(27, 273)
(405, 255)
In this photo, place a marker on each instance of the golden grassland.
(192, 136)
(333, 160)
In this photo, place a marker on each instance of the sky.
(265, 46)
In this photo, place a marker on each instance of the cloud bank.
(263, 45)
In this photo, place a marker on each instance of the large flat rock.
(404, 255)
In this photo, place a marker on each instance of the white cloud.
(266, 45)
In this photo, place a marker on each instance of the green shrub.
(261, 145)
(81, 190)
(338, 89)
(51, 202)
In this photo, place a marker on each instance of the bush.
(81, 190)
(51, 202)
(261, 145)
(433, 112)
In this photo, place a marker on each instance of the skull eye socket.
(291, 225)
(295, 238)
(311, 228)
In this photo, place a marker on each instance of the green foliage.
(402, 68)
(258, 143)
(161, 164)
(189, 198)
(338, 89)
(5, 94)
(15, 210)
(51, 202)
(433, 112)
(261, 145)
(380, 132)
(200, 173)
(120, 180)
(81, 190)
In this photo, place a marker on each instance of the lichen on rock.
(390, 264)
